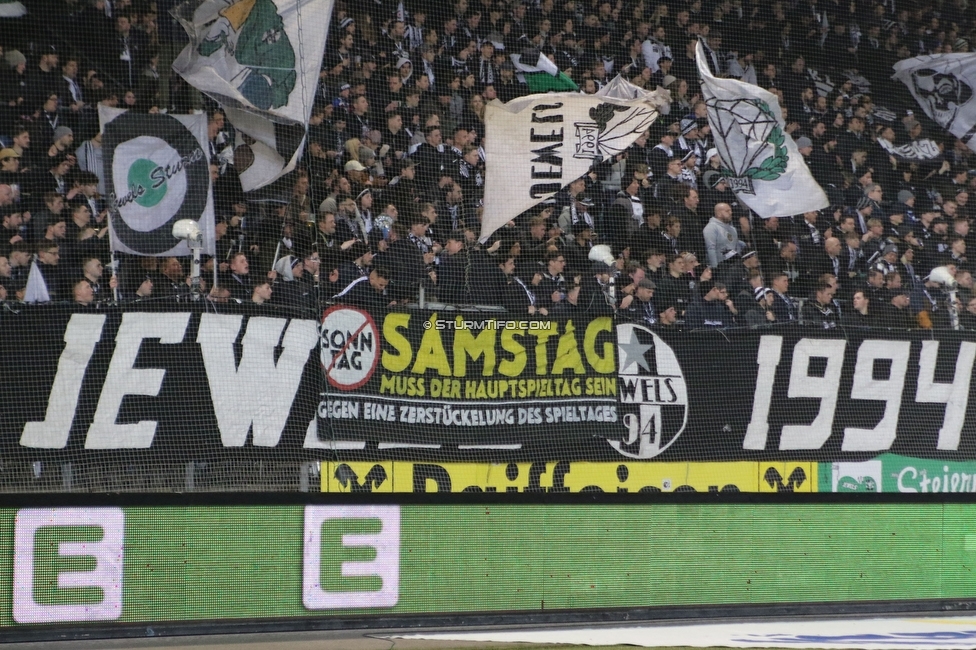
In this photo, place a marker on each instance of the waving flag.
(260, 60)
(538, 144)
(943, 84)
(759, 158)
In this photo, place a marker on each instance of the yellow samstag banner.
(563, 476)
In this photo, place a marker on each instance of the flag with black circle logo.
(157, 172)
(942, 84)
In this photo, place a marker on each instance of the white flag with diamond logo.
(760, 161)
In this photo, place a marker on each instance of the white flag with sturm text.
(537, 145)
(943, 84)
(157, 172)
(760, 161)
(260, 60)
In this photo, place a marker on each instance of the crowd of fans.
(386, 204)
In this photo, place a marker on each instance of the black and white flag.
(923, 150)
(943, 86)
(157, 171)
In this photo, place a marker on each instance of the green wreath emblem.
(773, 167)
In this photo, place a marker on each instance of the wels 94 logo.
(653, 393)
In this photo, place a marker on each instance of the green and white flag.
(759, 158)
(540, 74)
(12, 9)
(260, 60)
(157, 172)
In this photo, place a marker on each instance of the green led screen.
(146, 564)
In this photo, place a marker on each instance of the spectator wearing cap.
(736, 276)
(667, 318)
(689, 170)
(713, 308)
(62, 142)
(639, 307)
(690, 141)
(662, 152)
(289, 289)
(14, 86)
(888, 260)
(648, 235)
(44, 78)
(805, 146)
(577, 211)
(713, 188)
(721, 238)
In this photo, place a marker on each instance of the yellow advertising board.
(563, 476)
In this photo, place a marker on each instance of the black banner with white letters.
(157, 390)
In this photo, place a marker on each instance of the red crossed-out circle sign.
(350, 346)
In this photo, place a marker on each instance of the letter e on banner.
(350, 347)
(371, 582)
(72, 589)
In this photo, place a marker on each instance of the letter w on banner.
(260, 60)
(759, 158)
(537, 145)
(942, 84)
(158, 172)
